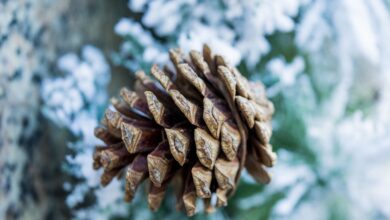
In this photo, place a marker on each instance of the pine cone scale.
(136, 173)
(202, 178)
(207, 148)
(160, 164)
(179, 143)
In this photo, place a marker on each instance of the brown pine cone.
(196, 127)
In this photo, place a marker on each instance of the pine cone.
(197, 127)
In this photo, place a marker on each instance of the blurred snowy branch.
(74, 102)
(237, 28)
(346, 49)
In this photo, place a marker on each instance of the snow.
(137, 5)
(286, 73)
(353, 149)
(238, 27)
(73, 101)
(124, 27)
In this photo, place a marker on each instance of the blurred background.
(325, 63)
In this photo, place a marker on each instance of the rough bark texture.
(32, 36)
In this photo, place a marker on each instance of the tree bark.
(33, 34)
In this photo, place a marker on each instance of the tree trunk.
(33, 34)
